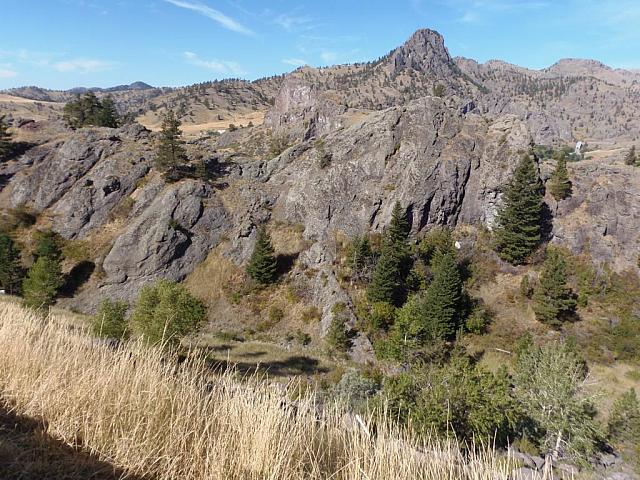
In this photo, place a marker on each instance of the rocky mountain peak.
(425, 51)
(578, 66)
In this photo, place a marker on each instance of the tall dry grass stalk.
(139, 410)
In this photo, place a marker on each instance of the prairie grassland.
(144, 412)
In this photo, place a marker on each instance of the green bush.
(110, 320)
(458, 398)
(337, 335)
(549, 384)
(165, 312)
(624, 424)
(43, 282)
(381, 316)
(478, 321)
(355, 389)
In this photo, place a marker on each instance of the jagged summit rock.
(425, 52)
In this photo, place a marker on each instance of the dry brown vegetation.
(141, 411)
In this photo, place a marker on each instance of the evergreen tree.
(11, 271)
(361, 258)
(631, 158)
(443, 297)
(108, 114)
(624, 423)
(88, 110)
(519, 221)
(560, 185)
(43, 282)
(48, 245)
(263, 265)
(432, 315)
(171, 152)
(552, 298)
(5, 138)
(388, 281)
(398, 229)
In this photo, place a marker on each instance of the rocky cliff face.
(445, 159)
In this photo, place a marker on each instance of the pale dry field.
(136, 408)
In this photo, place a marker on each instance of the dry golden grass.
(138, 409)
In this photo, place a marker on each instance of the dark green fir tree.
(559, 184)
(263, 265)
(553, 300)
(519, 221)
(171, 152)
(11, 271)
(388, 283)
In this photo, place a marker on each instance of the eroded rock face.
(302, 110)
(601, 217)
(84, 178)
(169, 238)
(437, 163)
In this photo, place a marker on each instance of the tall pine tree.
(519, 222)
(389, 277)
(11, 271)
(171, 152)
(108, 114)
(559, 184)
(263, 265)
(553, 300)
(5, 138)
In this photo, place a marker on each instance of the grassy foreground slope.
(155, 418)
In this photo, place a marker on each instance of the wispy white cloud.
(469, 17)
(295, 62)
(6, 72)
(83, 65)
(291, 22)
(215, 15)
(475, 11)
(219, 66)
(328, 56)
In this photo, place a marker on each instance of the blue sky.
(67, 43)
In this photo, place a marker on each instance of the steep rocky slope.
(357, 139)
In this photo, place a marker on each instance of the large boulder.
(169, 238)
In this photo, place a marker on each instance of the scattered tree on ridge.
(519, 221)
(5, 138)
(171, 153)
(559, 184)
(47, 245)
(631, 158)
(263, 265)
(88, 110)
